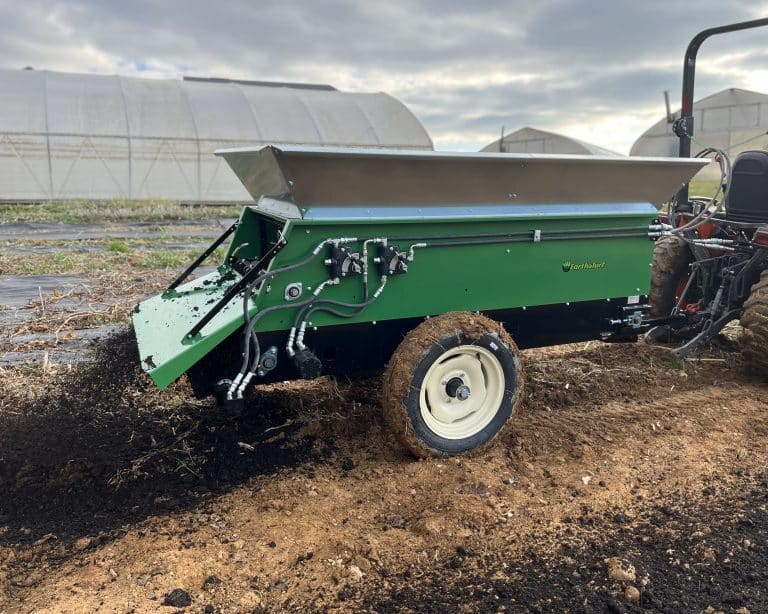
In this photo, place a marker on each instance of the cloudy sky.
(592, 69)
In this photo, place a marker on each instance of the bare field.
(59, 281)
(626, 482)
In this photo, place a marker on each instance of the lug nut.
(462, 393)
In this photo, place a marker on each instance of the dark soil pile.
(88, 448)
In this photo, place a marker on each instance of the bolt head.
(463, 392)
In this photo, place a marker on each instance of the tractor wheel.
(669, 274)
(452, 385)
(754, 341)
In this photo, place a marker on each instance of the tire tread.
(398, 374)
(668, 252)
(754, 319)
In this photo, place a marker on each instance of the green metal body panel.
(474, 277)
(440, 279)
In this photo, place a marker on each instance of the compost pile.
(629, 482)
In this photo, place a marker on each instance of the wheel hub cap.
(462, 391)
(457, 389)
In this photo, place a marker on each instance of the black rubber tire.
(671, 260)
(754, 319)
(409, 364)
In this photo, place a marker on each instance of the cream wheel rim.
(462, 392)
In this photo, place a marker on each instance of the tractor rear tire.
(671, 263)
(754, 319)
(452, 385)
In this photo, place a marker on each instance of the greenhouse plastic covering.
(77, 136)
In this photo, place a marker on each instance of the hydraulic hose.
(247, 365)
(249, 336)
(725, 172)
(325, 305)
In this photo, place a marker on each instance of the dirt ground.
(630, 482)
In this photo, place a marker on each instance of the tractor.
(710, 261)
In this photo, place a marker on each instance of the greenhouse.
(532, 140)
(80, 136)
(734, 120)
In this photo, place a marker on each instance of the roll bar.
(683, 126)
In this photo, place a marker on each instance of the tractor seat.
(748, 196)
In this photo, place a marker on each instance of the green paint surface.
(440, 279)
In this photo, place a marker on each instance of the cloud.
(466, 69)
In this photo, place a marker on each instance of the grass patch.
(164, 258)
(115, 210)
(681, 364)
(703, 188)
(123, 245)
(89, 263)
(118, 246)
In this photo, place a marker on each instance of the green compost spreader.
(438, 266)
